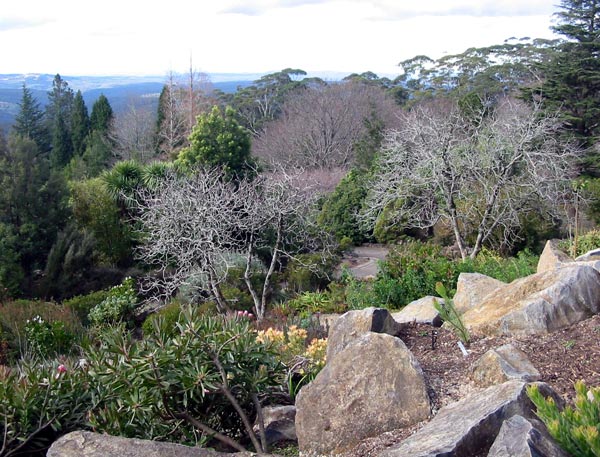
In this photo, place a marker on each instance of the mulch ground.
(562, 358)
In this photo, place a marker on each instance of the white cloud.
(151, 37)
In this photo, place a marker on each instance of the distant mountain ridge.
(120, 90)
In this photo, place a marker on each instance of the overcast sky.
(147, 37)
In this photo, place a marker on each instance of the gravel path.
(362, 260)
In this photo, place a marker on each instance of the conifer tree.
(102, 115)
(29, 122)
(58, 115)
(219, 141)
(80, 124)
(572, 82)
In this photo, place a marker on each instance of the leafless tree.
(133, 132)
(279, 215)
(184, 98)
(194, 228)
(320, 126)
(479, 170)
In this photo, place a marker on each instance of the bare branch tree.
(279, 215)
(133, 132)
(320, 126)
(187, 225)
(478, 170)
(195, 228)
(184, 97)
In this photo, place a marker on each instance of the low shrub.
(303, 357)
(39, 403)
(62, 327)
(83, 304)
(583, 244)
(166, 318)
(117, 307)
(206, 383)
(505, 269)
(414, 268)
(309, 272)
(46, 339)
(576, 428)
(309, 303)
(201, 385)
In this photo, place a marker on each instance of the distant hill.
(121, 91)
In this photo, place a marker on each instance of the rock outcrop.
(502, 364)
(539, 303)
(353, 324)
(472, 288)
(469, 426)
(373, 385)
(420, 311)
(88, 444)
(519, 437)
(552, 257)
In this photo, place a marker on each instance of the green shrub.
(585, 243)
(166, 317)
(417, 267)
(502, 268)
(576, 428)
(117, 307)
(414, 268)
(39, 403)
(16, 315)
(83, 304)
(184, 388)
(339, 214)
(309, 303)
(45, 339)
(309, 272)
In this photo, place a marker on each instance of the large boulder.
(354, 324)
(590, 256)
(552, 257)
(372, 386)
(520, 437)
(420, 311)
(279, 423)
(88, 444)
(469, 426)
(472, 288)
(539, 303)
(502, 364)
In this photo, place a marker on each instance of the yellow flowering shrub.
(291, 344)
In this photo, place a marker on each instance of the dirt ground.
(561, 357)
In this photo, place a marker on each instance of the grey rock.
(520, 437)
(503, 364)
(540, 303)
(420, 311)
(472, 288)
(353, 324)
(88, 444)
(279, 423)
(372, 386)
(469, 426)
(589, 256)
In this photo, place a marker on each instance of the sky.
(148, 37)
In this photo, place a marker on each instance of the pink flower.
(61, 369)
